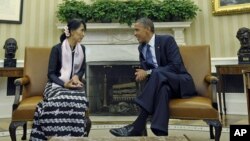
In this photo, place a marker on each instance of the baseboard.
(5, 104)
(6, 110)
(19, 63)
(236, 103)
(222, 61)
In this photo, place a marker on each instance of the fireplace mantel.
(95, 26)
(116, 33)
(116, 42)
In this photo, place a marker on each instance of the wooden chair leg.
(24, 131)
(88, 126)
(13, 126)
(216, 124)
(218, 129)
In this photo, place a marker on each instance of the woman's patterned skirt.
(61, 113)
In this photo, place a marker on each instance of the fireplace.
(111, 87)
(112, 57)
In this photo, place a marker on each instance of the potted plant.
(147, 8)
(158, 11)
(128, 11)
(133, 9)
(70, 9)
(179, 10)
(105, 11)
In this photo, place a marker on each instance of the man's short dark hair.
(146, 22)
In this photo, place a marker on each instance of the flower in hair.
(66, 31)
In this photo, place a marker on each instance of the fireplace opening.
(111, 88)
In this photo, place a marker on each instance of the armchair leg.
(24, 131)
(216, 124)
(218, 128)
(13, 126)
(88, 126)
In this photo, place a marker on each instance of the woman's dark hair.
(73, 25)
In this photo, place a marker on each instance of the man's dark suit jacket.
(169, 60)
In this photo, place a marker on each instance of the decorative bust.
(10, 47)
(243, 35)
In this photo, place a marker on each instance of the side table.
(11, 72)
(223, 70)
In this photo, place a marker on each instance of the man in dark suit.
(166, 77)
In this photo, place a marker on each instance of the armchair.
(197, 62)
(33, 83)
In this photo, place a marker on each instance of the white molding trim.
(222, 61)
(116, 33)
(19, 63)
(105, 26)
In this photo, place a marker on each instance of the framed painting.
(226, 7)
(11, 11)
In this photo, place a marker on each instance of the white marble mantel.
(116, 42)
(124, 33)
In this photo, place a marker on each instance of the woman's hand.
(71, 85)
(76, 81)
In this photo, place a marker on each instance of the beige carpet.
(193, 134)
(193, 130)
(161, 138)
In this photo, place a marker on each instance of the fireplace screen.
(111, 89)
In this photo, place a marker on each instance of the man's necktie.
(149, 58)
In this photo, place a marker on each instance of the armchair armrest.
(211, 79)
(22, 81)
(19, 82)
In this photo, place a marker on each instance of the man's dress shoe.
(127, 131)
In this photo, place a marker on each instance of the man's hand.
(140, 75)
